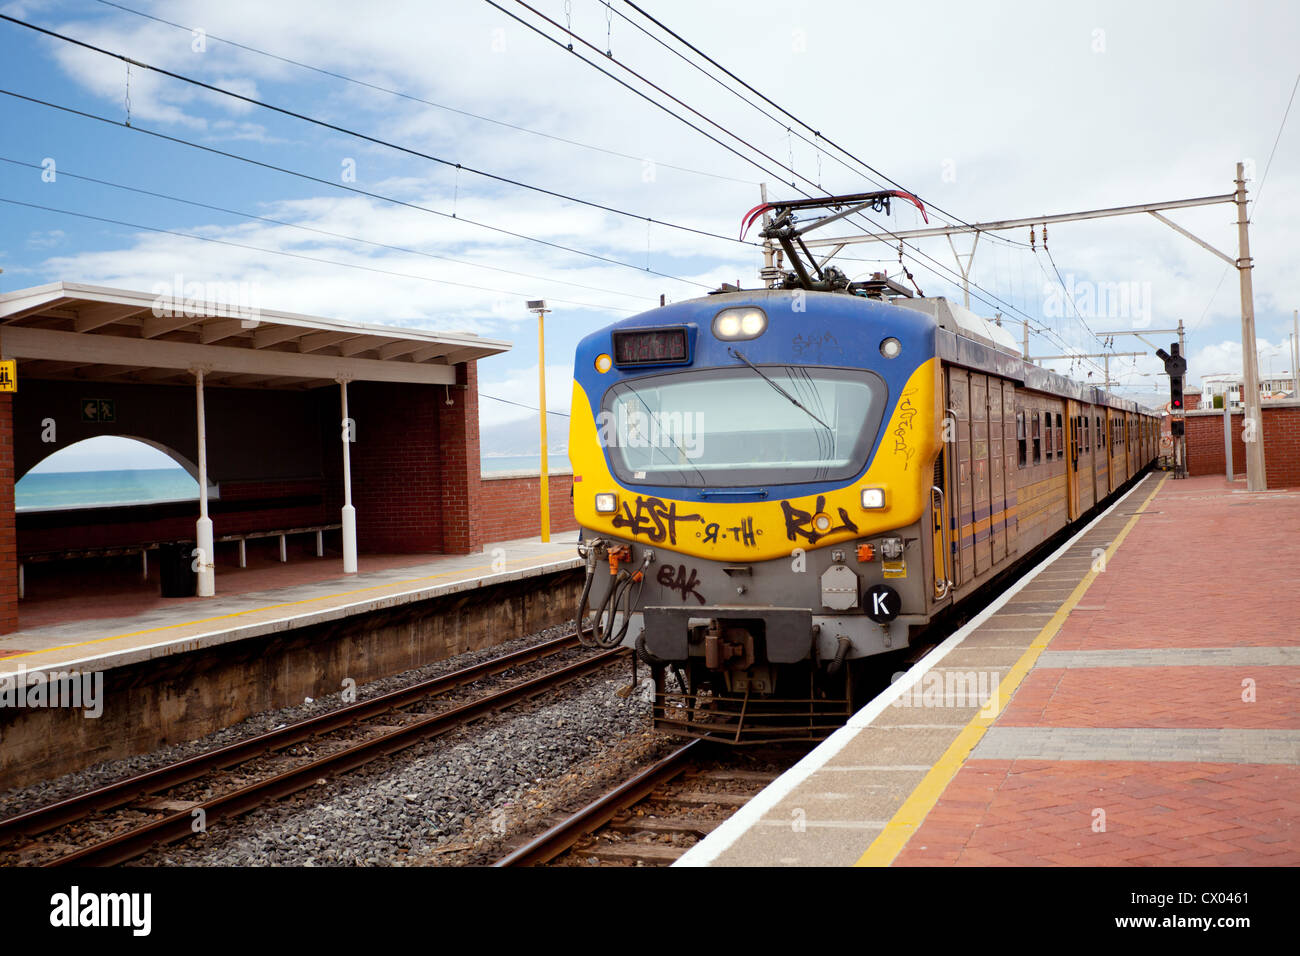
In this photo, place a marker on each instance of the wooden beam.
(275, 334)
(91, 317)
(24, 343)
(157, 325)
(322, 340)
(219, 329)
(362, 343)
(395, 349)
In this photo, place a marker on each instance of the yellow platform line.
(907, 820)
(258, 610)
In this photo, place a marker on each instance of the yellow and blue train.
(772, 485)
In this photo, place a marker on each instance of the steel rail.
(178, 825)
(110, 796)
(563, 835)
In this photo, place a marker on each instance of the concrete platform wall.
(189, 694)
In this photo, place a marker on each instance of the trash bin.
(175, 570)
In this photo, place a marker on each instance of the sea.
(50, 490)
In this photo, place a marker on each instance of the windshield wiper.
(793, 401)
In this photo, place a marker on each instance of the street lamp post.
(539, 306)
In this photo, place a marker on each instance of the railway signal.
(1175, 368)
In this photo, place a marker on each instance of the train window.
(1020, 434)
(1060, 437)
(1038, 440)
(1087, 433)
(654, 432)
(1047, 430)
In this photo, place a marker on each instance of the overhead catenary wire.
(531, 408)
(366, 137)
(136, 128)
(816, 133)
(421, 100)
(292, 255)
(323, 232)
(919, 252)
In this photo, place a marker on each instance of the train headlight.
(606, 503)
(739, 324)
(873, 498)
(891, 347)
(603, 363)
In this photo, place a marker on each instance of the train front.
(753, 479)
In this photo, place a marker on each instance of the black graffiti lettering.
(906, 412)
(657, 520)
(679, 581)
(747, 533)
(711, 533)
(825, 341)
(799, 523)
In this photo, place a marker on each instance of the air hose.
(621, 593)
(587, 551)
(841, 652)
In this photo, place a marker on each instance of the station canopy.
(77, 332)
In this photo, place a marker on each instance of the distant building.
(1232, 386)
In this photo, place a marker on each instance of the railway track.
(656, 815)
(385, 725)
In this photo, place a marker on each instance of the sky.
(986, 110)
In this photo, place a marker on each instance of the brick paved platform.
(1146, 714)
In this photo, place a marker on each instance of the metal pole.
(1255, 476)
(768, 276)
(1106, 359)
(349, 517)
(1227, 437)
(1295, 351)
(541, 405)
(207, 586)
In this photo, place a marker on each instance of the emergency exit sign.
(98, 410)
(9, 376)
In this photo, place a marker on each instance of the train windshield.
(742, 426)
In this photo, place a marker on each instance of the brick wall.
(1281, 433)
(509, 507)
(396, 466)
(1205, 444)
(1282, 444)
(8, 530)
(459, 465)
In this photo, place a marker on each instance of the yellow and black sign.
(9, 376)
(98, 410)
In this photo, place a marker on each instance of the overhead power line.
(346, 188)
(321, 232)
(290, 255)
(943, 269)
(421, 100)
(365, 137)
(816, 133)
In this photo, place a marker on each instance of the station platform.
(1134, 700)
(139, 627)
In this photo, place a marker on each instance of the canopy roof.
(66, 330)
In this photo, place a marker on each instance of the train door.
(1072, 459)
(960, 507)
(1010, 470)
(1100, 453)
(979, 442)
(997, 473)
